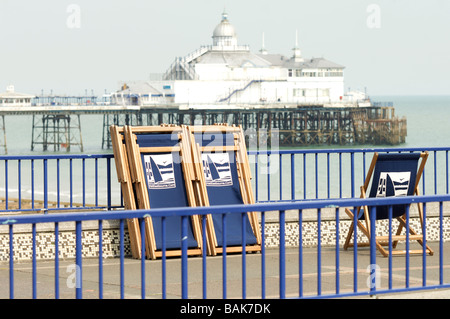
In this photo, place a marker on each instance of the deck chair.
(127, 187)
(163, 176)
(391, 175)
(221, 158)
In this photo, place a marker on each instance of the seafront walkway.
(401, 277)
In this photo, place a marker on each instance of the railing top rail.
(346, 150)
(55, 156)
(219, 209)
(250, 152)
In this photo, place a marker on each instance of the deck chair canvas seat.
(390, 175)
(220, 151)
(163, 179)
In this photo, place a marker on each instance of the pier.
(57, 127)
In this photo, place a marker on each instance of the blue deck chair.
(127, 187)
(163, 180)
(225, 173)
(392, 174)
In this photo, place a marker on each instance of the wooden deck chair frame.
(127, 187)
(381, 241)
(244, 175)
(138, 178)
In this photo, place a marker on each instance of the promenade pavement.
(308, 281)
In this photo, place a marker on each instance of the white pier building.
(226, 75)
(10, 98)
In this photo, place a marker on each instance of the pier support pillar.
(57, 132)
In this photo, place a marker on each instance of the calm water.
(428, 119)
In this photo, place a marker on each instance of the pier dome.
(224, 34)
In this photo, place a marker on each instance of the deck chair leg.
(412, 232)
(351, 229)
(349, 236)
(399, 231)
(365, 231)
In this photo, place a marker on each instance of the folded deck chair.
(128, 192)
(160, 168)
(391, 175)
(220, 155)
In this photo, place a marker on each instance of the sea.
(428, 125)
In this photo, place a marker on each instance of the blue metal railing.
(185, 213)
(332, 173)
(58, 182)
(283, 180)
(90, 181)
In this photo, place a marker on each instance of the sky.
(388, 47)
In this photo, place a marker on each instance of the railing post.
(407, 248)
(204, 252)
(292, 176)
(300, 253)
(224, 256)
(58, 183)
(244, 253)
(78, 260)
(56, 260)
(34, 273)
(390, 212)
(32, 184)
(337, 250)
(280, 172)
(100, 254)
(184, 264)
(45, 185)
(263, 256)
(282, 256)
(328, 175)
(83, 168)
(71, 182)
(268, 177)
(6, 184)
(424, 245)
(316, 170)
(319, 252)
(108, 182)
(142, 226)
(441, 244)
(340, 175)
(19, 179)
(352, 182)
(11, 262)
(304, 175)
(163, 257)
(373, 249)
(122, 259)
